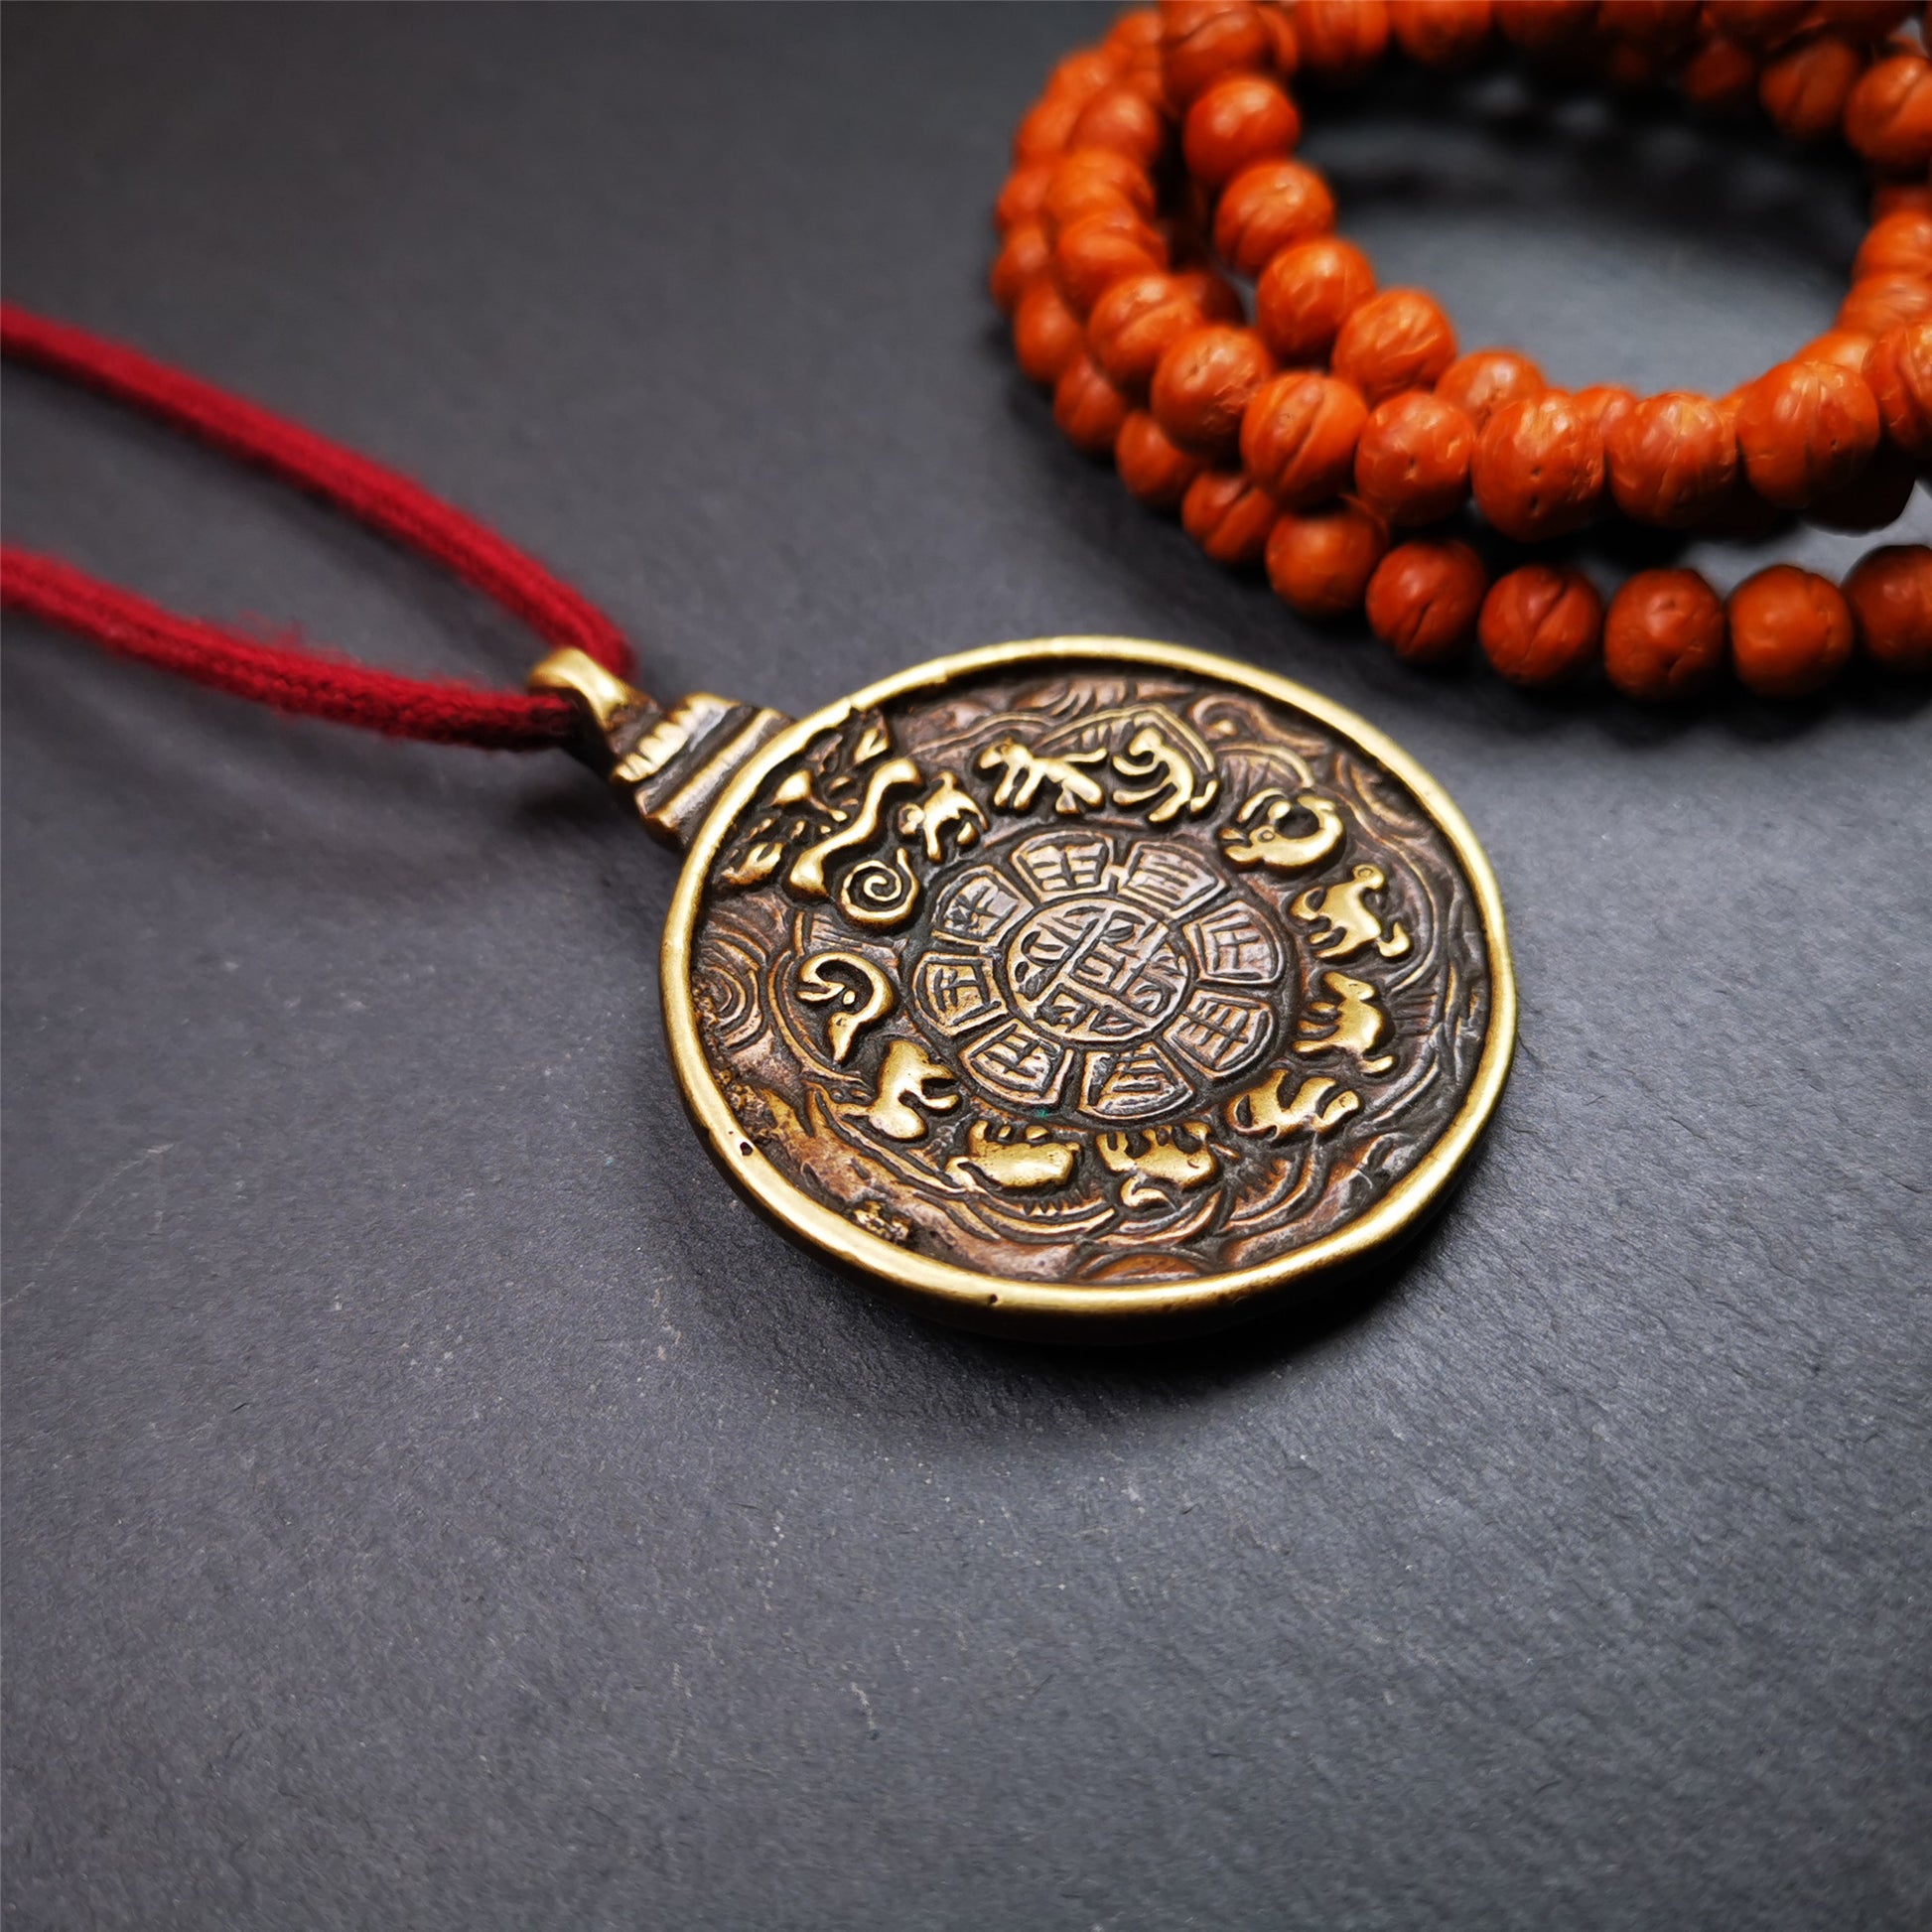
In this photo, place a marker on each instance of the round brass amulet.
(1088, 987)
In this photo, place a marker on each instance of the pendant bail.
(671, 761)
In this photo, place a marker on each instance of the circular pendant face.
(1088, 984)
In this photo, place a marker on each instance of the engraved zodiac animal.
(1260, 1109)
(807, 875)
(1163, 1157)
(906, 1080)
(1011, 1157)
(1149, 754)
(1355, 1023)
(944, 805)
(820, 982)
(1266, 844)
(1351, 924)
(1027, 770)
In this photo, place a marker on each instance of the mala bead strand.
(1344, 412)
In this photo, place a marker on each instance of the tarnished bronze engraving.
(1087, 977)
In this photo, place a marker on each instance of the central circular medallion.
(1095, 972)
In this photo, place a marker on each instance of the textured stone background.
(431, 1498)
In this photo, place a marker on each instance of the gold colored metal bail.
(671, 761)
(605, 704)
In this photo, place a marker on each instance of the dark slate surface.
(433, 1500)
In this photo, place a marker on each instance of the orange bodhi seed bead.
(1319, 565)
(1307, 293)
(1398, 340)
(1889, 117)
(1480, 382)
(1045, 332)
(1043, 131)
(1020, 197)
(1845, 347)
(1267, 208)
(1541, 625)
(1228, 516)
(1890, 593)
(1441, 33)
(1896, 244)
(1153, 471)
(1203, 384)
(1663, 635)
(1412, 462)
(1083, 73)
(1790, 632)
(1671, 460)
(1088, 408)
(1090, 181)
(1094, 253)
(1900, 372)
(1721, 77)
(1205, 45)
(1023, 258)
(1804, 430)
(1298, 438)
(1124, 119)
(1242, 119)
(1133, 323)
(1803, 87)
(1340, 40)
(1603, 406)
(1879, 301)
(1539, 467)
(1423, 599)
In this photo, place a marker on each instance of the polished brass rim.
(986, 1301)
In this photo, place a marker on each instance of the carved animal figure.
(1260, 1109)
(1266, 844)
(906, 1080)
(1027, 770)
(862, 991)
(1163, 1157)
(1149, 754)
(1351, 924)
(807, 875)
(944, 805)
(1355, 1023)
(1011, 1157)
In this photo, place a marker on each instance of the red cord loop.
(291, 680)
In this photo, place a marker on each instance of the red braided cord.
(288, 679)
